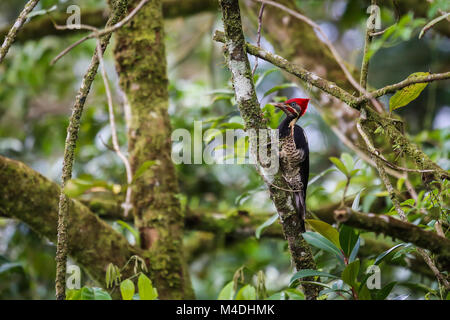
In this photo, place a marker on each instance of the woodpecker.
(294, 153)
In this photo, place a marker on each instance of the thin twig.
(69, 152)
(402, 84)
(397, 19)
(258, 38)
(327, 86)
(430, 24)
(394, 166)
(330, 46)
(366, 59)
(347, 184)
(127, 204)
(11, 36)
(100, 33)
(441, 278)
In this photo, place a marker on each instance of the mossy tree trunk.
(141, 64)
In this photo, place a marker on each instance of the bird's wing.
(301, 142)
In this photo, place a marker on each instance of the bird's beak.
(280, 106)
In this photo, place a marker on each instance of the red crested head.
(294, 107)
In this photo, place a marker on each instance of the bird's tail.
(300, 205)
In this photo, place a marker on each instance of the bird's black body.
(294, 160)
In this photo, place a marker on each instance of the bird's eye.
(292, 104)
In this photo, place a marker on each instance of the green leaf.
(131, 229)
(247, 292)
(100, 294)
(338, 163)
(383, 255)
(73, 294)
(145, 288)
(310, 273)
(347, 159)
(408, 202)
(326, 230)
(350, 273)
(127, 289)
(143, 168)
(320, 175)
(404, 96)
(41, 12)
(323, 243)
(232, 125)
(384, 292)
(278, 296)
(280, 87)
(221, 97)
(11, 267)
(295, 294)
(355, 204)
(76, 187)
(348, 239)
(109, 275)
(364, 293)
(266, 224)
(87, 293)
(355, 250)
(227, 293)
(264, 75)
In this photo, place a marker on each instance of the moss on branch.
(327, 86)
(398, 229)
(34, 202)
(248, 105)
(141, 64)
(33, 199)
(69, 150)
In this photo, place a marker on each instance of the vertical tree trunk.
(141, 64)
(249, 108)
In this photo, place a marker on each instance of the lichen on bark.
(249, 108)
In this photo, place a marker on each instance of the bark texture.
(118, 8)
(251, 114)
(141, 64)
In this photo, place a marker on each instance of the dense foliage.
(35, 101)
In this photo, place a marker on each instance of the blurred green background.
(35, 102)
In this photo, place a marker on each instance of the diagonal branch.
(420, 158)
(25, 201)
(327, 86)
(32, 199)
(99, 33)
(69, 152)
(42, 26)
(397, 229)
(11, 36)
(340, 61)
(441, 278)
(402, 84)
